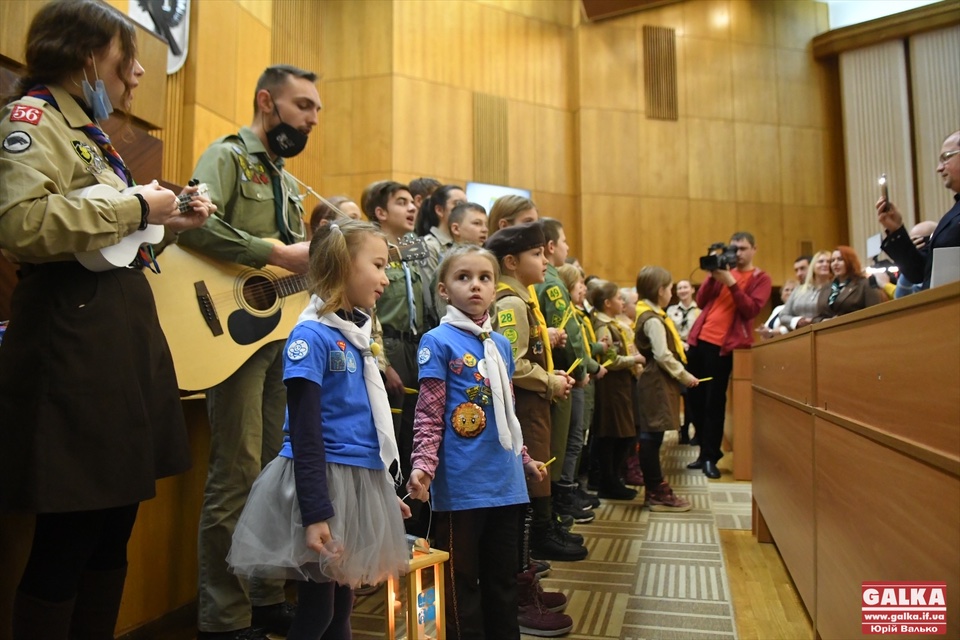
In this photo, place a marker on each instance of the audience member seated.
(771, 327)
(800, 309)
(850, 291)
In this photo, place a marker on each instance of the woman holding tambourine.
(90, 410)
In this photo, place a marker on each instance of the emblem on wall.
(169, 19)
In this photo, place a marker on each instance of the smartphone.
(883, 186)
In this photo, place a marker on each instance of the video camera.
(719, 256)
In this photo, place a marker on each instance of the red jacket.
(747, 305)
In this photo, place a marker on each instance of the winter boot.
(534, 617)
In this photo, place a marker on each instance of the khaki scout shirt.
(238, 177)
(393, 309)
(511, 321)
(44, 156)
(554, 303)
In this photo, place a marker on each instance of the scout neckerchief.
(359, 337)
(541, 321)
(614, 325)
(508, 427)
(279, 197)
(95, 133)
(643, 306)
(585, 324)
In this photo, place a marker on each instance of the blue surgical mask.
(97, 99)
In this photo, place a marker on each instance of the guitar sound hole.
(259, 293)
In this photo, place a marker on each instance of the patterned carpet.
(649, 576)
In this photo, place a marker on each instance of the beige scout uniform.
(45, 157)
(72, 442)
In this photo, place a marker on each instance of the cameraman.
(730, 299)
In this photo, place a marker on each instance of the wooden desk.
(856, 470)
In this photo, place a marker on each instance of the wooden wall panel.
(710, 147)
(357, 114)
(864, 533)
(754, 83)
(609, 152)
(753, 23)
(802, 177)
(612, 254)
(707, 78)
(710, 221)
(561, 12)
(215, 83)
(524, 153)
(824, 227)
(490, 139)
(758, 162)
(663, 237)
(798, 77)
(610, 67)
(664, 158)
(798, 22)
(934, 69)
(254, 39)
(357, 38)
(876, 129)
(707, 19)
(783, 487)
(556, 143)
(436, 136)
(765, 222)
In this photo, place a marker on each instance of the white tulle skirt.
(368, 543)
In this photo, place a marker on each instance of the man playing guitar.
(256, 199)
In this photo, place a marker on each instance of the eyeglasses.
(946, 155)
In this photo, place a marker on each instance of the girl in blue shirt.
(325, 512)
(469, 450)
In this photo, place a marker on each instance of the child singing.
(616, 432)
(660, 383)
(468, 448)
(325, 512)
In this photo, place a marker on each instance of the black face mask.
(284, 140)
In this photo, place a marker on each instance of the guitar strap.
(146, 256)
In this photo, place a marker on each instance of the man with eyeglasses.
(917, 264)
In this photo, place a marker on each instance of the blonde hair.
(570, 276)
(507, 208)
(332, 251)
(462, 250)
(811, 278)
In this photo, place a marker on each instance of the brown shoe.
(664, 499)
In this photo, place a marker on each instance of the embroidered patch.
(456, 366)
(554, 293)
(538, 347)
(423, 356)
(469, 359)
(468, 420)
(351, 362)
(480, 394)
(338, 361)
(477, 376)
(84, 151)
(17, 142)
(506, 318)
(514, 350)
(511, 335)
(561, 305)
(23, 113)
(342, 345)
(297, 350)
(555, 320)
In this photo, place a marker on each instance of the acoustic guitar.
(217, 314)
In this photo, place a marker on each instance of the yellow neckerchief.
(586, 325)
(541, 321)
(645, 305)
(615, 326)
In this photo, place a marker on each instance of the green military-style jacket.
(392, 307)
(554, 303)
(44, 158)
(238, 175)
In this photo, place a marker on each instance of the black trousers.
(708, 400)
(480, 587)
(65, 545)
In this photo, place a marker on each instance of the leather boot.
(98, 604)
(35, 619)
